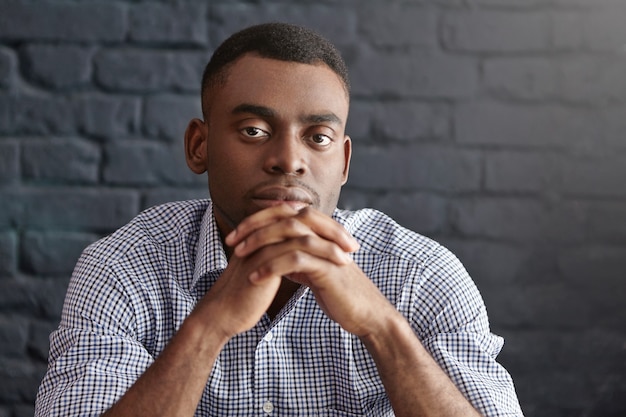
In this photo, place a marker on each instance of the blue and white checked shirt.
(131, 291)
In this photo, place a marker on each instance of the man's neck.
(286, 290)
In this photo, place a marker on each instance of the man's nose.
(286, 155)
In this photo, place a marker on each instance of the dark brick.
(24, 377)
(49, 296)
(420, 74)
(522, 78)
(13, 337)
(164, 195)
(10, 208)
(39, 339)
(598, 273)
(511, 171)
(398, 25)
(16, 297)
(38, 297)
(593, 351)
(587, 4)
(490, 264)
(604, 28)
(62, 160)
(36, 114)
(423, 213)
(24, 410)
(8, 67)
(179, 111)
(518, 220)
(53, 253)
(536, 126)
(108, 116)
(144, 163)
(353, 199)
(93, 209)
(611, 392)
(42, 65)
(495, 31)
(567, 31)
(596, 176)
(398, 120)
(8, 253)
(233, 16)
(543, 306)
(560, 394)
(563, 79)
(167, 23)
(604, 221)
(511, 5)
(149, 70)
(594, 80)
(9, 162)
(415, 167)
(62, 21)
(611, 128)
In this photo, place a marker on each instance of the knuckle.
(292, 223)
(298, 259)
(265, 270)
(307, 241)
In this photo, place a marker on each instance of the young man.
(267, 300)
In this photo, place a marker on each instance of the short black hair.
(281, 41)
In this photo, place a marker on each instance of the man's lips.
(295, 197)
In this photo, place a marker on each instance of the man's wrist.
(386, 327)
(204, 327)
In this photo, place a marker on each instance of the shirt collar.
(210, 254)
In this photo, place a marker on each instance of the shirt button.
(268, 407)
(268, 337)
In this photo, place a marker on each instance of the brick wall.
(494, 126)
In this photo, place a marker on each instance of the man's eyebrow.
(322, 118)
(263, 111)
(260, 111)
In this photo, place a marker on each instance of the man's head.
(274, 128)
(280, 41)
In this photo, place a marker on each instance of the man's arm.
(414, 382)
(173, 384)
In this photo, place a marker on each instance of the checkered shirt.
(131, 291)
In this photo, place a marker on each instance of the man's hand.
(312, 249)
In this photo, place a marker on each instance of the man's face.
(275, 135)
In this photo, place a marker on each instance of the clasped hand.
(307, 247)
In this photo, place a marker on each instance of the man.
(268, 300)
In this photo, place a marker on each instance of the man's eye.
(254, 132)
(320, 139)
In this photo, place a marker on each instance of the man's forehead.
(253, 60)
(252, 72)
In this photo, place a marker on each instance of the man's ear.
(195, 145)
(347, 151)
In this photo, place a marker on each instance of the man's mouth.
(270, 196)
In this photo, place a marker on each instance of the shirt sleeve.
(95, 354)
(449, 315)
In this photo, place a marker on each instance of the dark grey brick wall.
(494, 126)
